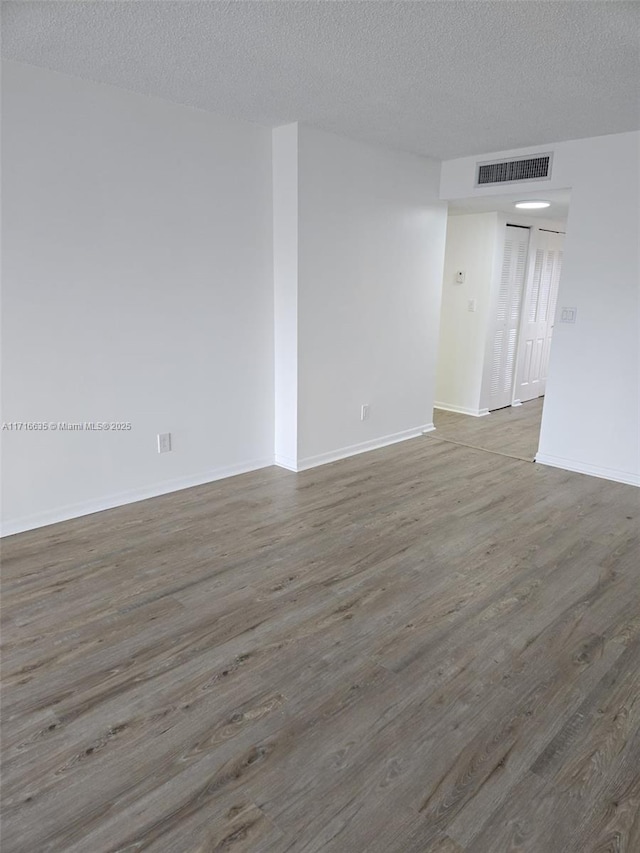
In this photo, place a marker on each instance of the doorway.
(538, 314)
(500, 294)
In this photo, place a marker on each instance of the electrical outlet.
(164, 442)
(364, 412)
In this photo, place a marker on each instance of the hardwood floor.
(514, 431)
(422, 648)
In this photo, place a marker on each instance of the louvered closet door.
(504, 331)
(540, 301)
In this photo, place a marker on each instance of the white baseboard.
(285, 462)
(462, 410)
(355, 449)
(20, 525)
(626, 477)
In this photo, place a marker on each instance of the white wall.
(137, 286)
(471, 247)
(591, 420)
(371, 249)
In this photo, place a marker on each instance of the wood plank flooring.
(423, 649)
(513, 431)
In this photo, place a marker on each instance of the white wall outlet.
(471, 305)
(460, 276)
(164, 442)
(364, 412)
(568, 315)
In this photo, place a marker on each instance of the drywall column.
(471, 249)
(285, 281)
(591, 418)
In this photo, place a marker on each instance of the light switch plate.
(568, 315)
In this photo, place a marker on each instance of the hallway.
(513, 431)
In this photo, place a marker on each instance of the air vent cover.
(516, 169)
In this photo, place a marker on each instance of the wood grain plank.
(370, 655)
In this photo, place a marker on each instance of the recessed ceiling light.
(532, 205)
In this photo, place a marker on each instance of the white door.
(540, 301)
(506, 318)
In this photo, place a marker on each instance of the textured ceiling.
(444, 79)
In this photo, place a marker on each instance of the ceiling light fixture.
(532, 205)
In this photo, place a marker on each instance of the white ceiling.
(558, 210)
(439, 77)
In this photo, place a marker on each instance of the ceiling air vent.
(516, 169)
